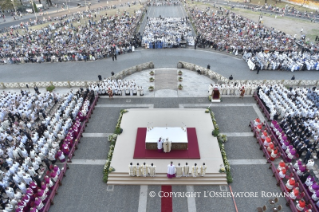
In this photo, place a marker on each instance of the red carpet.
(141, 153)
(166, 199)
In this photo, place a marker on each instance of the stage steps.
(161, 179)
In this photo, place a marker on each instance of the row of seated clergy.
(142, 171)
(180, 171)
(183, 171)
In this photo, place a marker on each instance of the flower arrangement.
(179, 72)
(180, 79)
(112, 138)
(111, 169)
(222, 170)
(207, 110)
(151, 88)
(151, 79)
(221, 140)
(180, 87)
(210, 98)
(152, 73)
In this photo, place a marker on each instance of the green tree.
(6, 5)
(35, 7)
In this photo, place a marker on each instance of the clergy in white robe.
(210, 90)
(138, 170)
(152, 170)
(171, 170)
(160, 145)
(203, 170)
(186, 170)
(132, 170)
(144, 170)
(167, 145)
(195, 170)
(179, 170)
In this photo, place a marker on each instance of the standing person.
(152, 170)
(242, 92)
(171, 170)
(293, 77)
(110, 92)
(203, 170)
(160, 145)
(195, 170)
(179, 170)
(186, 170)
(132, 170)
(231, 77)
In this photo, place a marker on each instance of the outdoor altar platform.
(177, 135)
(141, 152)
(196, 120)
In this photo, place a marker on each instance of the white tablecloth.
(174, 134)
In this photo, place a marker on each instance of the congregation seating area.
(61, 41)
(117, 87)
(293, 132)
(30, 146)
(167, 33)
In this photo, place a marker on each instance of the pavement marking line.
(247, 161)
(245, 134)
(142, 201)
(216, 105)
(96, 135)
(259, 113)
(233, 198)
(87, 162)
(191, 202)
(125, 105)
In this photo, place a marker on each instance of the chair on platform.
(261, 209)
(273, 201)
(301, 195)
(275, 209)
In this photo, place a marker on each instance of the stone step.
(165, 182)
(161, 178)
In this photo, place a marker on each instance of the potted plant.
(215, 132)
(118, 131)
(152, 73)
(180, 87)
(50, 88)
(151, 88)
(180, 79)
(180, 72)
(151, 79)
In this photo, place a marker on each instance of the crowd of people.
(117, 87)
(281, 102)
(36, 131)
(167, 33)
(261, 47)
(62, 41)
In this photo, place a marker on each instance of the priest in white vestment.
(171, 170)
(203, 170)
(210, 90)
(195, 170)
(186, 170)
(132, 170)
(138, 170)
(160, 145)
(144, 170)
(179, 170)
(167, 145)
(152, 170)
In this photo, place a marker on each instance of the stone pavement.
(84, 190)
